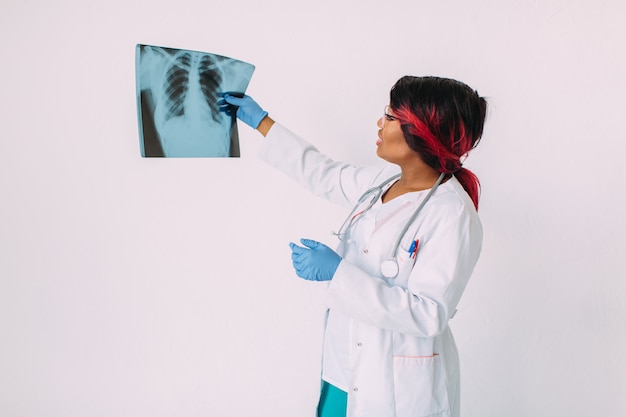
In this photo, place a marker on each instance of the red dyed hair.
(442, 120)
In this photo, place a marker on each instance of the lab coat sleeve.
(444, 264)
(339, 182)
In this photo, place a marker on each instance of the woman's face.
(392, 146)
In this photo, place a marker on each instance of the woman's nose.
(379, 123)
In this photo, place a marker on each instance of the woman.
(406, 250)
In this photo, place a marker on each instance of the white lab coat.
(403, 359)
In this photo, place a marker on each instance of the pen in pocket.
(413, 248)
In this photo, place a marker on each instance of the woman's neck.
(411, 180)
(417, 177)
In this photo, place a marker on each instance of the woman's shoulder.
(451, 200)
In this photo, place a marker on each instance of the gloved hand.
(248, 111)
(315, 262)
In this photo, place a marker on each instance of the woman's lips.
(380, 139)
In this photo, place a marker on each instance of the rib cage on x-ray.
(185, 74)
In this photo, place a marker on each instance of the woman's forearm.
(265, 125)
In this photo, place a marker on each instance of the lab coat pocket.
(420, 386)
(405, 266)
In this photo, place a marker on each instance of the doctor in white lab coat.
(388, 350)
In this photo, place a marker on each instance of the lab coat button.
(366, 251)
(359, 344)
(355, 389)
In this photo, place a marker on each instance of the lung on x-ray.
(177, 95)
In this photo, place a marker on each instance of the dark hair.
(442, 120)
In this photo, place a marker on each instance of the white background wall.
(152, 287)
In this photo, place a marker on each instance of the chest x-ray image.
(177, 95)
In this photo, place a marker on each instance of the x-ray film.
(177, 95)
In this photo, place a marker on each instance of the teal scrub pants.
(333, 401)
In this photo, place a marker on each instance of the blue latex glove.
(248, 111)
(314, 262)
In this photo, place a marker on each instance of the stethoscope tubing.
(414, 215)
(389, 267)
(378, 190)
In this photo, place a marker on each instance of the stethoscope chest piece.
(389, 268)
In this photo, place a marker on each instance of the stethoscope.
(389, 267)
